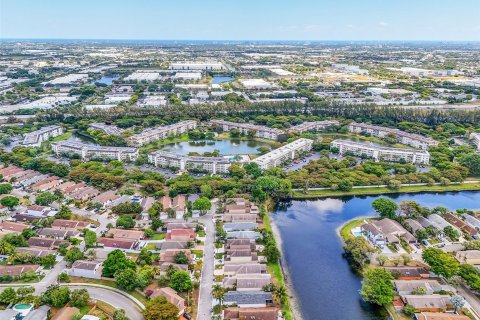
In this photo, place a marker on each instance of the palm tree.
(6, 248)
(280, 293)
(218, 292)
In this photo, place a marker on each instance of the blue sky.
(242, 19)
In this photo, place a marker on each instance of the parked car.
(187, 316)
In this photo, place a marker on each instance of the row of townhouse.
(285, 153)
(86, 151)
(245, 128)
(381, 153)
(244, 271)
(160, 133)
(313, 126)
(475, 137)
(409, 139)
(386, 231)
(165, 159)
(35, 138)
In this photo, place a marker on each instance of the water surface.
(225, 147)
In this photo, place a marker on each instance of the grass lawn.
(376, 191)
(151, 246)
(198, 253)
(158, 236)
(345, 230)
(61, 137)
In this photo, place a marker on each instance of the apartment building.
(313, 126)
(260, 131)
(288, 152)
(202, 66)
(409, 139)
(475, 137)
(35, 138)
(160, 133)
(86, 151)
(381, 153)
(165, 159)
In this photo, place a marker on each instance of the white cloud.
(383, 24)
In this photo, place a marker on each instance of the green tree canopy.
(377, 287)
(386, 208)
(440, 262)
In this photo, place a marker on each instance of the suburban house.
(62, 224)
(240, 256)
(86, 269)
(122, 244)
(268, 313)
(169, 255)
(429, 302)
(468, 256)
(248, 299)
(125, 234)
(105, 198)
(46, 243)
(439, 316)
(231, 270)
(460, 224)
(13, 227)
(247, 282)
(385, 231)
(180, 235)
(162, 246)
(180, 225)
(252, 235)
(17, 270)
(408, 273)
(172, 297)
(240, 226)
(57, 233)
(413, 225)
(407, 287)
(473, 221)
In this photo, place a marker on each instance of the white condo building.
(201, 66)
(86, 151)
(213, 165)
(160, 133)
(260, 131)
(475, 137)
(381, 153)
(409, 139)
(313, 126)
(35, 138)
(288, 152)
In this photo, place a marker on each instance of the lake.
(225, 147)
(221, 79)
(106, 80)
(325, 285)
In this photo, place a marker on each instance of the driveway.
(206, 281)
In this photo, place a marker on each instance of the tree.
(409, 310)
(180, 281)
(28, 233)
(345, 185)
(440, 262)
(90, 238)
(119, 314)
(116, 260)
(470, 275)
(386, 208)
(271, 252)
(64, 213)
(56, 296)
(202, 204)
(377, 287)
(451, 233)
(180, 258)
(236, 171)
(472, 162)
(73, 255)
(218, 292)
(156, 223)
(23, 292)
(457, 301)
(206, 191)
(45, 198)
(48, 261)
(159, 308)
(8, 296)
(280, 293)
(381, 259)
(5, 188)
(126, 279)
(10, 202)
(274, 186)
(126, 222)
(79, 298)
(406, 258)
(6, 248)
(357, 251)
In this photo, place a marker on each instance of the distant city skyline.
(384, 20)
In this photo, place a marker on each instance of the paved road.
(205, 299)
(471, 299)
(50, 277)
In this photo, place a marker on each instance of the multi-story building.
(206, 66)
(106, 128)
(86, 151)
(35, 138)
(288, 152)
(409, 139)
(260, 131)
(213, 165)
(381, 153)
(313, 126)
(160, 133)
(475, 137)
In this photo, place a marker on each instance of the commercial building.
(159, 133)
(86, 151)
(349, 68)
(313, 126)
(409, 139)
(260, 131)
(213, 165)
(188, 76)
(203, 66)
(143, 76)
(381, 153)
(35, 138)
(288, 152)
(256, 84)
(475, 137)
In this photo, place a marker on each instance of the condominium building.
(313, 126)
(381, 153)
(204, 66)
(86, 151)
(288, 152)
(409, 139)
(475, 137)
(159, 133)
(213, 165)
(35, 138)
(260, 131)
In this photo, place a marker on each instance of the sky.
(457, 20)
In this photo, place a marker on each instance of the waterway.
(221, 79)
(225, 147)
(324, 284)
(108, 80)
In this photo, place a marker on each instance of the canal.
(225, 147)
(325, 286)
